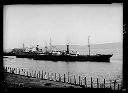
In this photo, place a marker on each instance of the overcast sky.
(35, 24)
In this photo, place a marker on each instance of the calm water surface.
(112, 70)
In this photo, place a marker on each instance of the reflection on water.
(112, 70)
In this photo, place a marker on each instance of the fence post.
(30, 73)
(91, 83)
(52, 76)
(70, 80)
(55, 76)
(85, 82)
(35, 74)
(114, 84)
(79, 80)
(15, 70)
(59, 78)
(104, 83)
(48, 75)
(19, 71)
(64, 78)
(110, 84)
(27, 73)
(68, 77)
(118, 87)
(10, 70)
(42, 74)
(74, 80)
(39, 74)
(45, 75)
(97, 83)
(5, 69)
(24, 72)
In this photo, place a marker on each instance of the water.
(108, 71)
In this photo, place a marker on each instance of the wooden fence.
(66, 78)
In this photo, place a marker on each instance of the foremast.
(89, 44)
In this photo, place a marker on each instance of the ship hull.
(99, 58)
(91, 58)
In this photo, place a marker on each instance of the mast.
(46, 48)
(23, 45)
(89, 45)
(67, 47)
(50, 45)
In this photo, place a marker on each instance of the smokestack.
(67, 49)
(37, 48)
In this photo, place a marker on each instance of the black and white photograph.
(63, 46)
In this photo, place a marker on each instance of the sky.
(36, 24)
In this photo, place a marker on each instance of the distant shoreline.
(109, 45)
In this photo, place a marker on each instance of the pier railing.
(67, 78)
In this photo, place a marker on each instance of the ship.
(71, 57)
(66, 55)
